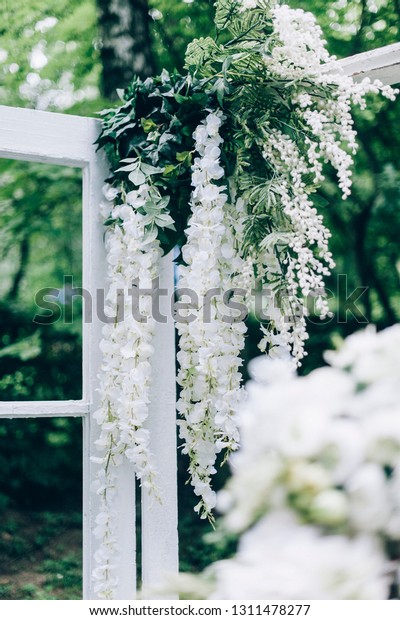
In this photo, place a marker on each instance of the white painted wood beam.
(43, 409)
(380, 64)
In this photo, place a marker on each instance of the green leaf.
(200, 51)
(137, 177)
(221, 87)
(169, 168)
(319, 201)
(225, 11)
(25, 349)
(128, 168)
(110, 220)
(150, 235)
(149, 170)
(164, 219)
(148, 124)
(187, 130)
(180, 98)
(185, 157)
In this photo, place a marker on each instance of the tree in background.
(125, 45)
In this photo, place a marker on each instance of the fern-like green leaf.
(202, 51)
(225, 11)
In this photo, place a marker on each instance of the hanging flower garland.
(225, 163)
(132, 255)
(210, 347)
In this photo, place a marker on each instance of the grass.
(41, 552)
(40, 556)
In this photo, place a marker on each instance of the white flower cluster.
(315, 488)
(210, 346)
(297, 45)
(335, 462)
(304, 270)
(132, 255)
(245, 5)
(279, 559)
(296, 52)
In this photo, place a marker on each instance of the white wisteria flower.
(210, 346)
(321, 131)
(125, 376)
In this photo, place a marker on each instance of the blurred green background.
(70, 56)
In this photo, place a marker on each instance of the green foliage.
(150, 137)
(363, 237)
(25, 349)
(242, 24)
(227, 71)
(39, 458)
(64, 574)
(50, 64)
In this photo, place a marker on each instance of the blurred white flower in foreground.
(280, 559)
(314, 495)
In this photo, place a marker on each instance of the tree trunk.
(125, 43)
(23, 261)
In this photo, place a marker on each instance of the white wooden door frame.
(67, 140)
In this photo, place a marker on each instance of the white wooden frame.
(380, 64)
(68, 140)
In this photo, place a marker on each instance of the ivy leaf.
(128, 168)
(110, 220)
(124, 128)
(200, 98)
(180, 98)
(187, 130)
(185, 157)
(137, 177)
(149, 170)
(169, 169)
(148, 124)
(166, 137)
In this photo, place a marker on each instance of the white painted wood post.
(94, 280)
(160, 519)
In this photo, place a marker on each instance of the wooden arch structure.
(69, 141)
